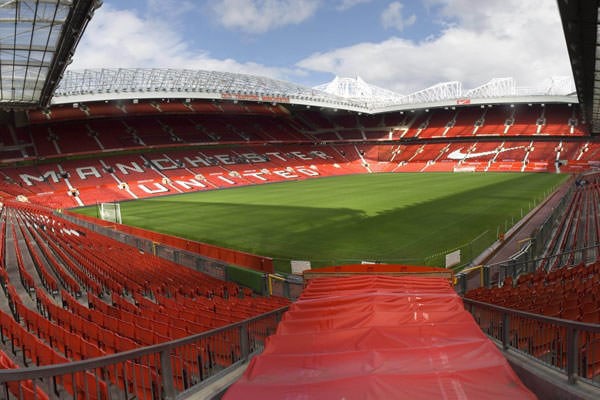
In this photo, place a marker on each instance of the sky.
(403, 46)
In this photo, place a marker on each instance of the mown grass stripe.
(400, 218)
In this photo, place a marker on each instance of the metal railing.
(215, 268)
(162, 371)
(567, 346)
(490, 275)
(527, 259)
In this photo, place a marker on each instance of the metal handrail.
(492, 274)
(164, 350)
(569, 349)
(595, 328)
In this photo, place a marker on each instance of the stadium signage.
(139, 170)
(255, 97)
(158, 187)
(459, 155)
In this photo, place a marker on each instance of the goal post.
(110, 212)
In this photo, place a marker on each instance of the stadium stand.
(524, 120)
(564, 286)
(580, 225)
(93, 303)
(67, 302)
(493, 121)
(259, 164)
(466, 121)
(557, 120)
(574, 238)
(568, 292)
(437, 124)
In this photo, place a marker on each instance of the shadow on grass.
(402, 235)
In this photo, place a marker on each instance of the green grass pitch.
(398, 218)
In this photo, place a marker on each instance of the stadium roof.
(125, 83)
(358, 89)
(580, 25)
(37, 40)
(343, 93)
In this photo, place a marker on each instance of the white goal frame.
(110, 212)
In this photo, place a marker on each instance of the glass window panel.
(28, 76)
(54, 36)
(21, 55)
(23, 30)
(40, 34)
(33, 73)
(6, 32)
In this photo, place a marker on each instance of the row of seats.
(558, 289)
(109, 304)
(498, 121)
(88, 181)
(569, 292)
(545, 340)
(102, 109)
(24, 389)
(551, 119)
(69, 137)
(98, 127)
(579, 226)
(133, 176)
(496, 151)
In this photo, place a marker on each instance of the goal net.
(110, 212)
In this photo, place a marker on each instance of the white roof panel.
(36, 38)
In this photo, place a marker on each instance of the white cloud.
(495, 38)
(170, 9)
(344, 5)
(260, 16)
(122, 39)
(392, 17)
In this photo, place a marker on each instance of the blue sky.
(403, 45)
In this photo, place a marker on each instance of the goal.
(110, 212)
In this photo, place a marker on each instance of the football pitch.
(413, 218)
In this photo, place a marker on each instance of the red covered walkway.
(379, 337)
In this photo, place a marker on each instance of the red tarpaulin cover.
(377, 337)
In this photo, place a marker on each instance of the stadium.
(179, 233)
